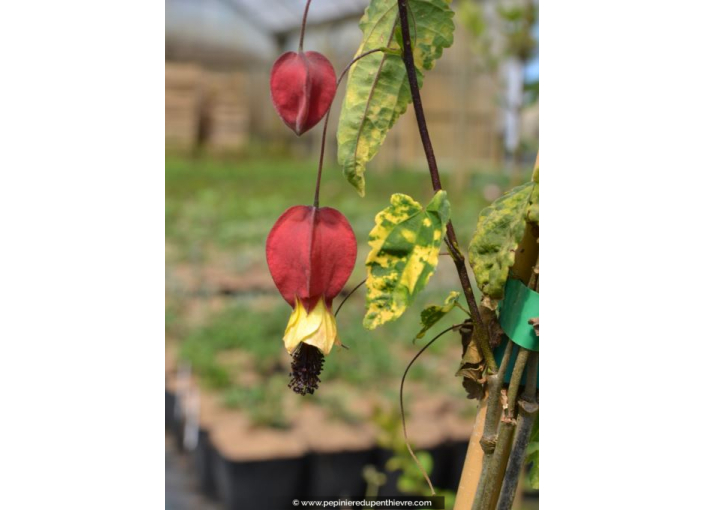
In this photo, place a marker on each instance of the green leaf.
(377, 86)
(426, 461)
(405, 245)
(532, 453)
(532, 459)
(433, 313)
(534, 434)
(407, 484)
(492, 250)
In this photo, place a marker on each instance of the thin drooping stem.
(303, 27)
(349, 294)
(403, 412)
(316, 198)
(481, 333)
(527, 410)
(353, 61)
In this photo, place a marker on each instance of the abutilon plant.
(311, 252)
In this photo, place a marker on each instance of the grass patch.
(230, 203)
(263, 403)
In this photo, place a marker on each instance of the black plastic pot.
(390, 488)
(203, 460)
(448, 461)
(339, 474)
(274, 484)
(255, 485)
(459, 449)
(170, 406)
(174, 421)
(443, 465)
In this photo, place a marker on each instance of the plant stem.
(516, 377)
(303, 27)
(493, 416)
(534, 275)
(495, 462)
(316, 198)
(403, 413)
(527, 410)
(494, 386)
(481, 333)
(497, 465)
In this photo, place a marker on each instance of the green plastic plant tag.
(520, 304)
(499, 355)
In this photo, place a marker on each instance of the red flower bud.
(303, 86)
(311, 253)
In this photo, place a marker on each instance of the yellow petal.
(317, 328)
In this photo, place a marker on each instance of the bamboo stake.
(471, 472)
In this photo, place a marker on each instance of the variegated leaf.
(433, 313)
(533, 207)
(405, 245)
(492, 250)
(377, 87)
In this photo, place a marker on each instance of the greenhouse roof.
(277, 16)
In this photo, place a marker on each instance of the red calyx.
(303, 86)
(311, 253)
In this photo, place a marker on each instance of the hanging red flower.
(311, 253)
(303, 85)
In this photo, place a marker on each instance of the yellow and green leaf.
(433, 313)
(492, 250)
(405, 244)
(377, 89)
(533, 207)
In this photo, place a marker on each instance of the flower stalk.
(303, 27)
